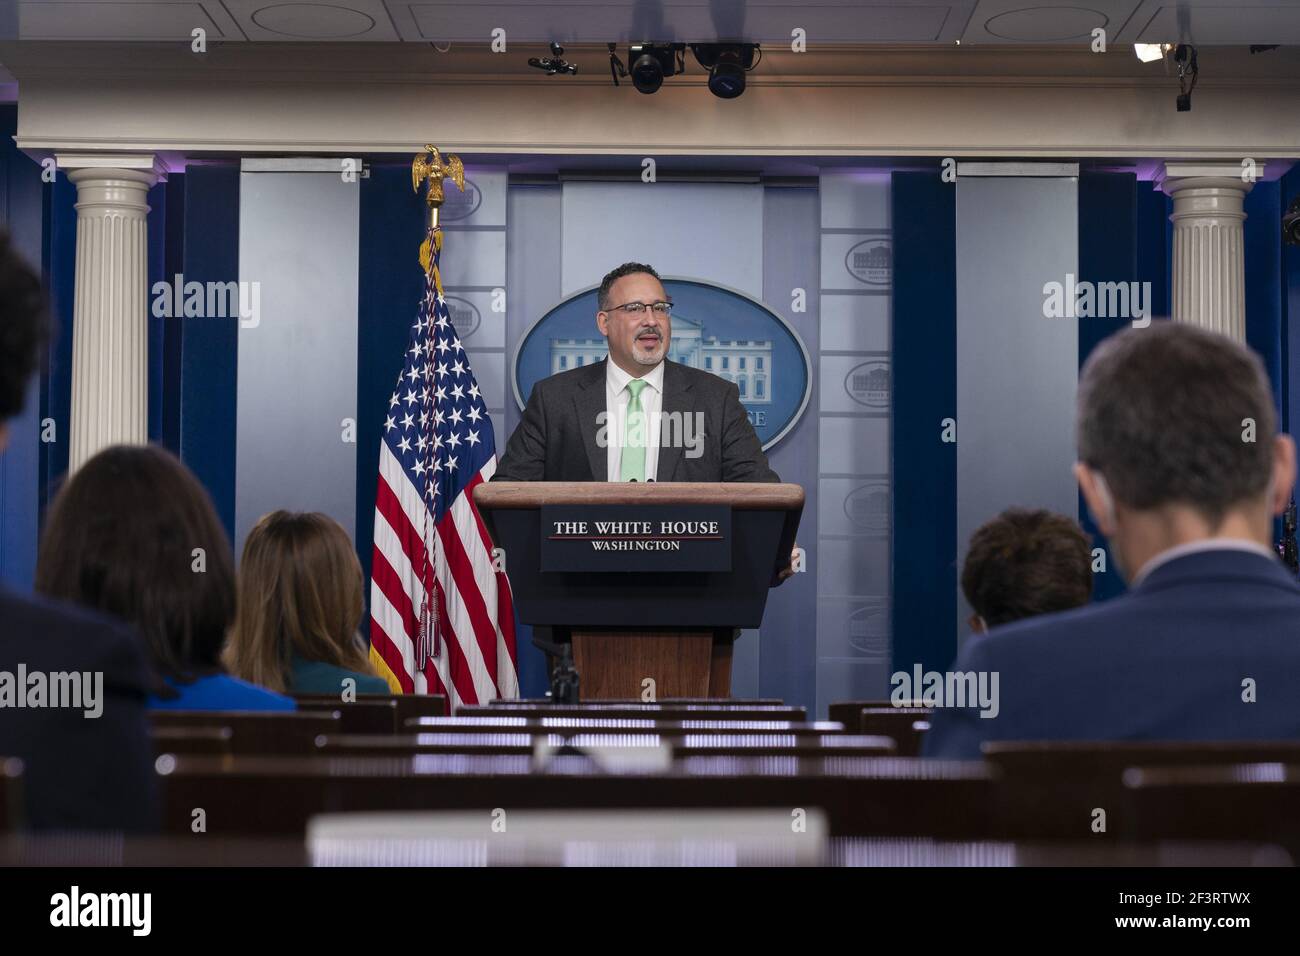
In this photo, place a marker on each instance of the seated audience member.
(87, 766)
(1182, 469)
(133, 534)
(1024, 563)
(300, 604)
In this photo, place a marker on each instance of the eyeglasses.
(636, 308)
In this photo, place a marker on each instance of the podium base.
(616, 665)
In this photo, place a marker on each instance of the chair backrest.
(876, 852)
(258, 732)
(556, 837)
(411, 706)
(200, 740)
(848, 712)
(861, 796)
(1056, 759)
(85, 849)
(1240, 802)
(531, 702)
(408, 706)
(907, 725)
(673, 725)
(710, 710)
(361, 716)
(689, 745)
(1070, 789)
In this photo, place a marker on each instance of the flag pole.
(428, 167)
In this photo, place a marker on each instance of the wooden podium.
(649, 582)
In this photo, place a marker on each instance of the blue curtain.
(924, 343)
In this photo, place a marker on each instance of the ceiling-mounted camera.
(727, 64)
(555, 63)
(649, 63)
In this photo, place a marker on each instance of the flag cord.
(429, 615)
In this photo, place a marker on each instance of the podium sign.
(646, 580)
(635, 538)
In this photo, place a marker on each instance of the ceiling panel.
(339, 20)
(123, 20)
(1219, 22)
(826, 23)
(597, 21)
(1068, 22)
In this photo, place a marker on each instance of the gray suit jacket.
(556, 440)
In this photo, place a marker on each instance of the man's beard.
(653, 357)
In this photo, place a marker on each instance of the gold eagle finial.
(429, 166)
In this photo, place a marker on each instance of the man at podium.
(635, 415)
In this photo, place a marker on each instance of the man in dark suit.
(88, 766)
(634, 416)
(1182, 470)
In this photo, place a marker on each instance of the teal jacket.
(315, 677)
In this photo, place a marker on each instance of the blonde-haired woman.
(300, 604)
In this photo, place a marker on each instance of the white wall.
(297, 369)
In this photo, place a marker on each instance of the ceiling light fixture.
(1150, 52)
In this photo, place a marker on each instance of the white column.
(1208, 275)
(110, 333)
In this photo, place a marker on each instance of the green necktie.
(632, 463)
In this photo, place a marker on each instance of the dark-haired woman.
(133, 534)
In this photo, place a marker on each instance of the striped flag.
(441, 617)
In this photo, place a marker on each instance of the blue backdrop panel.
(60, 263)
(159, 328)
(172, 354)
(1108, 252)
(1289, 190)
(924, 543)
(1262, 249)
(1155, 243)
(209, 346)
(21, 213)
(1107, 244)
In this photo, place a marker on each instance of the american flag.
(441, 617)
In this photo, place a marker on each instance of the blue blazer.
(221, 692)
(1165, 661)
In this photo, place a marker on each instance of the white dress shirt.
(1195, 547)
(616, 398)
